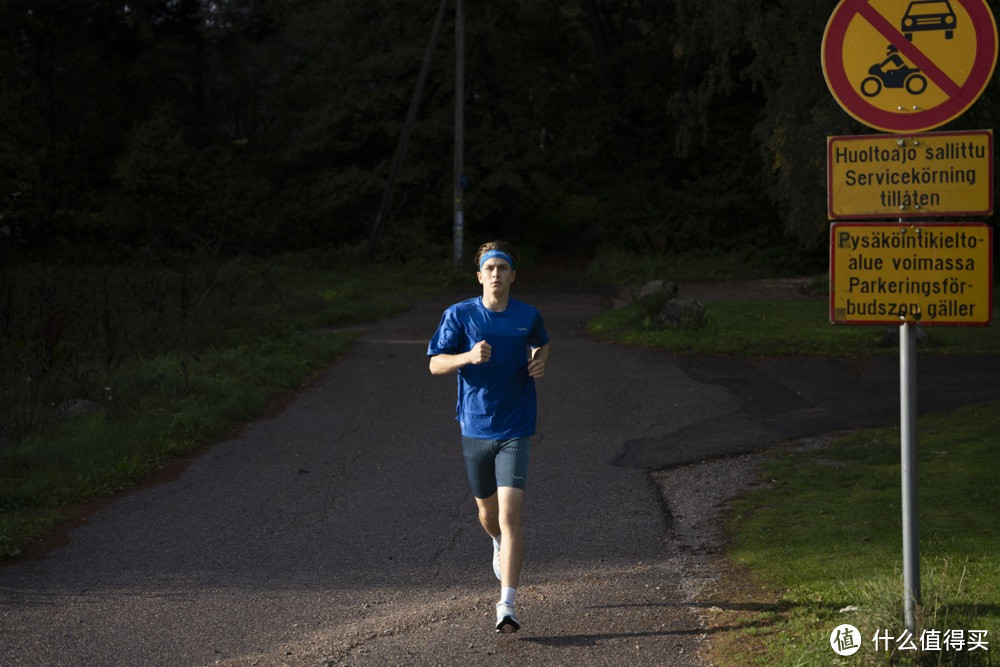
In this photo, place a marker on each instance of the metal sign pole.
(908, 467)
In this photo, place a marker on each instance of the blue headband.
(490, 254)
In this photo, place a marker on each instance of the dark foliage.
(169, 126)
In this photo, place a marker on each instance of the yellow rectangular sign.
(931, 273)
(906, 176)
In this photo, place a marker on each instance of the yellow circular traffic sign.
(904, 66)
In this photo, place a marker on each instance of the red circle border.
(862, 110)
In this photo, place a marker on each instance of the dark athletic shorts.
(493, 463)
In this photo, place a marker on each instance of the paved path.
(341, 531)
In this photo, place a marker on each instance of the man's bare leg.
(510, 500)
(500, 517)
(489, 515)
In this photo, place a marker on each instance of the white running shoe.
(496, 560)
(506, 619)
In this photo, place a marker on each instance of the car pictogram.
(928, 15)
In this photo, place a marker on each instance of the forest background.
(148, 130)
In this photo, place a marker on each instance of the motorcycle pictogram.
(899, 75)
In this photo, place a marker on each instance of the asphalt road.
(341, 530)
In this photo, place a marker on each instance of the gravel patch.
(696, 499)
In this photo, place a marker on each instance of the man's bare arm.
(539, 357)
(442, 364)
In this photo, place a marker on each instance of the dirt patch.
(739, 614)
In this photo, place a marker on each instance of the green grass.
(86, 457)
(174, 358)
(825, 533)
(790, 327)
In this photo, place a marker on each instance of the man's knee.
(488, 512)
(509, 518)
(510, 525)
(488, 515)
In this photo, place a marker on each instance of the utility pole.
(404, 139)
(458, 228)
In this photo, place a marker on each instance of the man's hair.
(496, 245)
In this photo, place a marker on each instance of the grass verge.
(790, 327)
(166, 360)
(819, 545)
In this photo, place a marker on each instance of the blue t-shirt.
(496, 400)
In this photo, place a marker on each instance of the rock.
(682, 314)
(665, 289)
(650, 298)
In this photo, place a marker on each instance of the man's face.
(495, 276)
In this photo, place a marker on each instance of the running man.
(498, 346)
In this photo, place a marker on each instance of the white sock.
(507, 595)
(496, 543)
